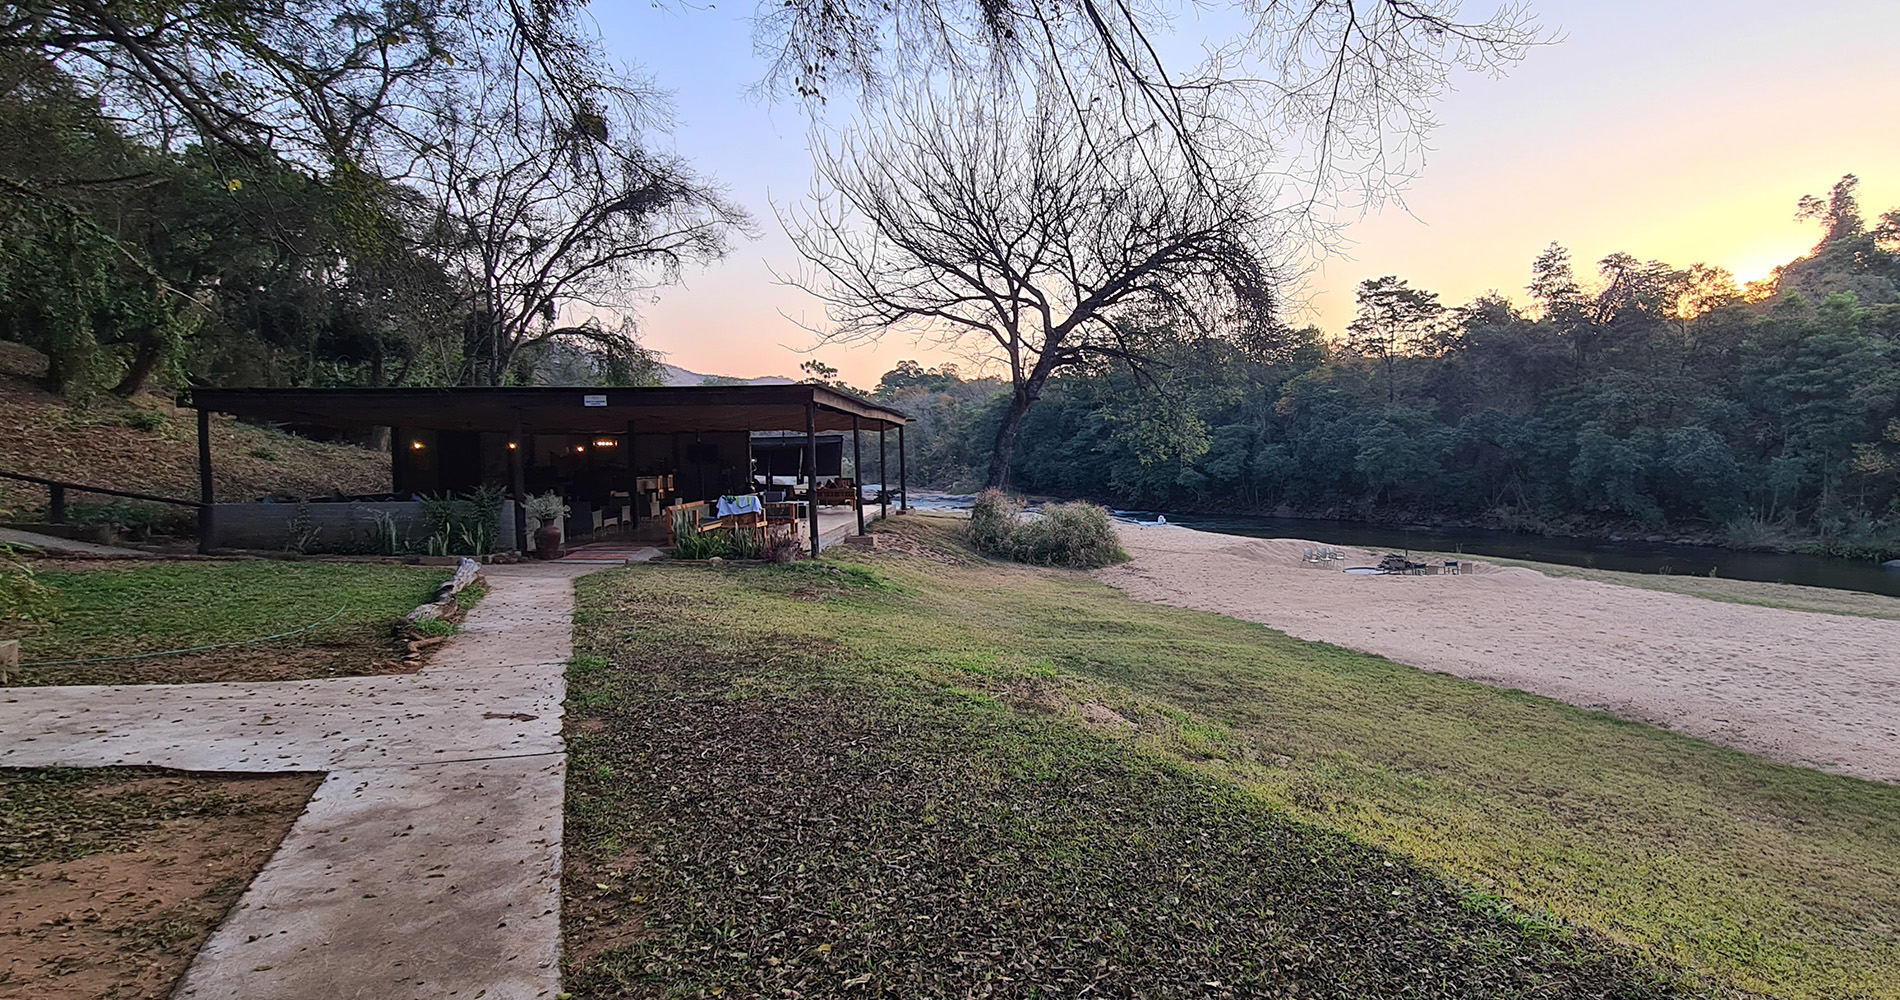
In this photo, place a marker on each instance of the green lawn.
(767, 761)
(128, 610)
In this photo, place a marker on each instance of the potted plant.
(548, 510)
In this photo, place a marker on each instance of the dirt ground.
(1798, 686)
(111, 879)
(265, 662)
(149, 445)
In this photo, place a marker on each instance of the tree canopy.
(332, 191)
(1642, 399)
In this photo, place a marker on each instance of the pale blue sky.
(1681, 130)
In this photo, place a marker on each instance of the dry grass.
(1047, 719)
(148, 445)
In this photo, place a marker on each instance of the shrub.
(1075, 535)
(782, 544)
(467, 525)
(1752, 531)
(23, 598)
(546, 508)
(145, 420)
(691, 543)
(741, 544)
(992, 519)
(774, 543)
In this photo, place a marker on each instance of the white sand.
(1803, 687)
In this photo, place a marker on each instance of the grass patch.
(744, 820)
(1130, 756)
(436, 628)
(144, 608)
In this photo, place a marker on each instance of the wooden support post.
(395, 461)
(903, 487)
(56, 504)
(883, 483)
(811, 484)
(857, 473)
(633, 485)
(207, 520)
(518, 482)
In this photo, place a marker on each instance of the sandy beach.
(1803, 687)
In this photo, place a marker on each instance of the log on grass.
(466, 572)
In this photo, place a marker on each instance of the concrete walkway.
(55, 545)
(428, 862)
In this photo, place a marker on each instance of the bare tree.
(541, 213)
(319, 83)
(304, 80)
(1043, 239)
(1338, 93)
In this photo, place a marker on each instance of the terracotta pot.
(547, 542)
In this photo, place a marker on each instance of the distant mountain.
(675, 375)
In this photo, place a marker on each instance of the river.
(1627, 556)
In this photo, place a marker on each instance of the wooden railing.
(56, 507)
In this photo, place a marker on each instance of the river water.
(1628, 556)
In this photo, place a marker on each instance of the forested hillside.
(1642, 398)
(394, 207)
(150, 446)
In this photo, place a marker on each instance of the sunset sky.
(1682, 130)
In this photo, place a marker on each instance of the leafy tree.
(1395, 319)
(1838, 213)
(72, 284)
(1647, 398)
(468, 173)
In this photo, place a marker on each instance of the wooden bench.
(700, 513)
(841, 492)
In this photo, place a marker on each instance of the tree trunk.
(1005, 448)
(144, 362)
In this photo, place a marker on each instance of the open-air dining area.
(630, 466)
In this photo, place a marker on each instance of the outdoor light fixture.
(606, 443)
(511, 446)
(579, 448)
(415, 445)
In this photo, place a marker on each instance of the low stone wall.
(348, 527)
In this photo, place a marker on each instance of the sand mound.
(1808, 688)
